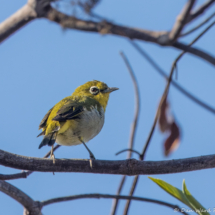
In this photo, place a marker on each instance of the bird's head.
(97, 90)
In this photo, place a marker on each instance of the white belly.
(87, 127)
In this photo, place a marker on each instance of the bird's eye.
(94, 90)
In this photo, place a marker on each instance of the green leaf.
(198, 208)
(175, 192)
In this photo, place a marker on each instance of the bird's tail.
(48, 139)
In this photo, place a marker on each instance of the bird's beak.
(110, 89)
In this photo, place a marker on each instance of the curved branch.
(137, 104)
(158, 37)
(175, 84)
(108, 196)
(125, 150)
(36, 9)
(164, 96)
(28, 203)
(120, 167)
(133, 128)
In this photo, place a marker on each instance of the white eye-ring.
(94, 90)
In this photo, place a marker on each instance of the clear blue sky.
(41, 64)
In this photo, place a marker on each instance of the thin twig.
(108, 196)
(181, 21)
(128, 202)
(125, 150)
(23, 174)
(133, 127)
(200, 10)
(116, 201)
(134, 184)
(137, 105)
(163, 98)
(175, 84)
(198, 26)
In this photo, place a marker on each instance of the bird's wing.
(71, 110)
(44, 120)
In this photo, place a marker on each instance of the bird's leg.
(52, 154)
(92, 157)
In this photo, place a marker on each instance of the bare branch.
(29, 204)
(175, 84)
(16, 21)
(116, 201)
(128, 203)
(164, 96)
(181, 21)
(125, 150)
(200, 10)
(160, 38)
(120, 167)
(137, 104)
(209, 58)
(198, 26)
(39, 9)
(133, 127)
(23, 174)
(14, 176)
(108, 196)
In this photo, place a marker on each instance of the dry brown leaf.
(172, 142)
(167, 124)
(164, 125)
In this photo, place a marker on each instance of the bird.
(78, 118)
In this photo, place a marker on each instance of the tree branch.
(198, 26)
(137, 104)
(133, 128)
(200, 10)
(160, 37)
(32, 207)
(20, 18)
(164, 96)
(120, 167)
(175, 84)
(36, 9)
(181, 21)
(23, 174)
(108, 196)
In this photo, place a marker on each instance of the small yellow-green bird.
(77, 118)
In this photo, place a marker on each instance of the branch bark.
(108, 196)
(133, 128)
(23, 174)
(31, 207)
(181, 21)
(200, 10)
(120, 167)
(20, 18)
(41, 8)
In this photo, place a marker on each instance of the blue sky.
(41, 64)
